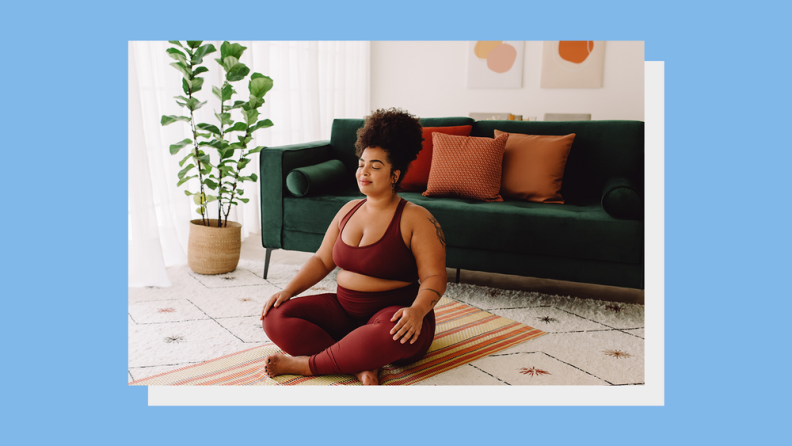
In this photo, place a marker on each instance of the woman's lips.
(365, 183)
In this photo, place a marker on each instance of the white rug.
(203, 317)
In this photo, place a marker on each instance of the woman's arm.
(315, 269)
(321, 263)
(428, 246)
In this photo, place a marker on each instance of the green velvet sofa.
(577, 241)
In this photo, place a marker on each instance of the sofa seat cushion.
(575, 231)
(585, 232)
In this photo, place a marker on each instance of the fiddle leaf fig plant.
(228, 139)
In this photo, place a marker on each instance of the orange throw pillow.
(418, 172)
(533, 166)
(466, 167)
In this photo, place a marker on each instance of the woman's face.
(375, 175)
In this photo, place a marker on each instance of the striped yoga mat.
(463, 334)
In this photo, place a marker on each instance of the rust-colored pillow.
(418, 172)
(533, 166)
(466, 167)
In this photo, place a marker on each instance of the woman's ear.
(395, 175)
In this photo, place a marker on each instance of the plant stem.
(195, 145)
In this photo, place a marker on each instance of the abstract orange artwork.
(573, 64)
(494, 64)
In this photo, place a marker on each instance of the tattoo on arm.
(440, 234)
(434, 301)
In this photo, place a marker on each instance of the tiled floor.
(597, 340)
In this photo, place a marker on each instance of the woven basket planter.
(213, 250)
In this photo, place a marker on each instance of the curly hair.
(395, 131)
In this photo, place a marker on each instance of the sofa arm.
(275, 163)
(621, 199)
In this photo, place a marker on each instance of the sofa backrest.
(601, 149)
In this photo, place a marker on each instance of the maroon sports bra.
(388, 258)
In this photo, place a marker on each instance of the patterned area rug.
(202, 327)
(463, 334)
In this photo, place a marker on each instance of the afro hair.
(395, 131)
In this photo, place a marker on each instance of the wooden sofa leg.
(457, 278)
(266, 261)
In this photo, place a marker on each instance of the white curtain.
(314, 82)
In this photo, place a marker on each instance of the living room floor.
(595, 334)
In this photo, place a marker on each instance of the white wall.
(428, 80)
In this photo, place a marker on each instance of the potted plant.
(217, 153)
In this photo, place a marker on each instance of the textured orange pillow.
(418, 172)
(533, 166)
(466, 167)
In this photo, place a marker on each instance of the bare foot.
(287, 365)
(369, 377)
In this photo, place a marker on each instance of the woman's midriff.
(360, 282)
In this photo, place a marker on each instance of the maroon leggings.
(347, 331)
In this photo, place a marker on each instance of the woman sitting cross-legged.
(379, 314)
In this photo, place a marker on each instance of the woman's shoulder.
(347, 207)
(415, 212)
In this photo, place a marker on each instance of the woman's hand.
(276, 299)
(409, 326)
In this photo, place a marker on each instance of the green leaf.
(228, 91)
(196, 84)
(175, 42)
(194, 104)
(209, 128)
(188, 193)
(185, 179)
(170, 119)
(186, 86)
(200, 70)
(227, 153)
(229, 62)
(238, 126)
(184, 171)
(217, 93)
(210, 198)
(181, 163)
(237, 72)
(224, 118)
(204, 135)
(261, 125)
(231, 49)
(237, 104)
(240, 191)
(250, 116)
(212, 185)
(256, 150)
(178, 55)
(259, 86)
(186, 72)
(242, 163)
(204, 160)
(243, 200)
(253, 103)
(174, 148)
(182, 98)
(194, 43)
(201, 52)
(253, 177)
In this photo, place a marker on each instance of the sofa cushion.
(533, 166)
(467, 167)
(620, 199)
(571, 231)
(601, 150)
(315, 178)
(418, 173)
